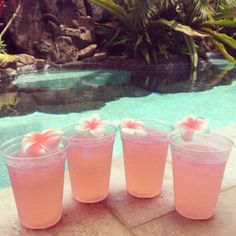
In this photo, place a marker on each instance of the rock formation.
(54, 30)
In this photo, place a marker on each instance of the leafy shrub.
(148, 28)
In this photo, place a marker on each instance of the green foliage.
(148, 28)
(9, 102)
(223, 50)
(2, 47)
(179, 27)
(7, 57)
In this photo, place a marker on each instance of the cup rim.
(178, 133)
(27, 158)
(157, 121)
(90, 139)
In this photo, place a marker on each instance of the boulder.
(10, 65)
(7, 74)
(24, 59)
(87, 28)
(66, 50)
(70, 32)
(99, 56)
(40, 64)
(82, 33)
(87, 52)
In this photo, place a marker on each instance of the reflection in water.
(72, 79)
(184, 80)
(67, 91)
(76, 91)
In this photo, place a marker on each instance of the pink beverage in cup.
(37, 180)
(145, 146)
(89, 159)
(198, 169)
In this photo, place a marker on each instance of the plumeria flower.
(192, 124)
(40, 143)
(131, 126)
(93, 125)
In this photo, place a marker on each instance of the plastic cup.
(89, 161)
(198, 169)
(145, 159)
(37, 183)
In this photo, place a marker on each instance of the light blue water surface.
(218, 105)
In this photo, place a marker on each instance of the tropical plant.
(152, 27)
(131, 35)
(2, 47)
(7, 57)
(205, 17)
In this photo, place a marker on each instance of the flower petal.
(131, 126)
(26, 143)
(98, 132)
(193, 123)
(39, 143)
(94, 125)
(50, 132)
(128, 131)
(35, 149)
(33, 135)
(140, 132)
(103, 122)
(134, 124)
(52, 142)
(81, 128)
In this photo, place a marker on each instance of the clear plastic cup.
(198, 169)
(89, 160)
(145, 159)
(37, 183)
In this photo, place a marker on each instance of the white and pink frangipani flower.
(93, 125)
(192, 124)
(40, 143)
(131, 126)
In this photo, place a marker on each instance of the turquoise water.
(217, 104)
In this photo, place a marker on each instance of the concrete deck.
(121, 214)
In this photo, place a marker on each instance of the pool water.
(116, 99)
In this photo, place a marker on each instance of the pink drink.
(37, 184)
(145, 159)
(198, 169)
(89, 160)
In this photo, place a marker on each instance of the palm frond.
(113, 8)
(141, 11)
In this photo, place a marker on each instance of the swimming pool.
(217, 104)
